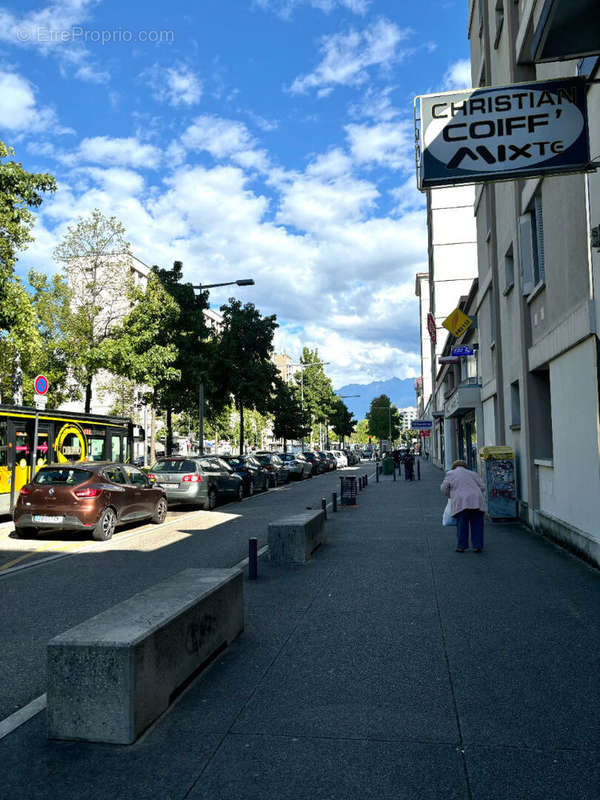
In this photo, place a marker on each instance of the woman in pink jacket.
(467, 503)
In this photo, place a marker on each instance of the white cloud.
(224, 139)
(458, 75)
(178, 86)
(388, 144)
(54, 30)
(347, 57)
(18, 109)
(120, 152)
(285, 8)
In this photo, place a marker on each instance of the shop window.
(96, 448)
(115, 447)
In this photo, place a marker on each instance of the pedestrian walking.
(409, 465)
(467, 504)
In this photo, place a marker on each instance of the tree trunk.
(88, 395)
(152, 433)
(169, 439)
(241, 428)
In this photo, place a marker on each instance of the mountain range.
(400, 391)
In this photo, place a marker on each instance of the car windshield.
(65, 475)
(174, 465)
(236, 463)
(263, 459)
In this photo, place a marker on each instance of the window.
(136, 477)
(96, 448)
(3, 445)
(115, 448)
(541, 422)
(114, 475)
(509, 270)
(65, 475)
(531, 246)
(515, 405)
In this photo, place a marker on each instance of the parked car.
(199, 480)
(87, 496)
(298, 466)
(352, 457)
(254, 476)
(318, 465)
(278, 472)
(328, 460)
(341, 458)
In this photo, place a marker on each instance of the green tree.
(244, 368)
(341, 419)
(316, 388)
(361, 434)
(381, 416)
(289, 422)
(19, 191)
(139, 348)
(96, 262)
(20, 345)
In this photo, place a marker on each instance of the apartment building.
(452, 261)
(538, 276)
(285, 366)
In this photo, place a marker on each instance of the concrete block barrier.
(110, 677)
(292, 540)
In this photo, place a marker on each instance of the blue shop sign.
(462, 351)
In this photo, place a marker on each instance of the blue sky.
(248, 138)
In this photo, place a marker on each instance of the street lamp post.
(301, 365)
(200, 287)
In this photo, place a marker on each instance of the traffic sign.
(457, 323)
(40, 384)
(462, 351)
(418, 424)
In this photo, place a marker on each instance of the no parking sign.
(40, 384)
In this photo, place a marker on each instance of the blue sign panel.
(421, 424)
(494, 133)
(462, 351)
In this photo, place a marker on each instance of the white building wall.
(570, 488)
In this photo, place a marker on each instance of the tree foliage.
(289, 422)
(381, 413)
(244, 368)
(19, 192)
(341, 419)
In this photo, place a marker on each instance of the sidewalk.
(389, 667)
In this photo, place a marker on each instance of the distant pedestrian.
(409, 465)
(467, 504)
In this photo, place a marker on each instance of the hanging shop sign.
(490, 134)
(448, 360)
(425, 434)
(421, 424)
(431, 328)
(462, 351)
(457, 322)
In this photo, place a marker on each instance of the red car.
(87, 496)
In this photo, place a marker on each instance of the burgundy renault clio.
(87, 496)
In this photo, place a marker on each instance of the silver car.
(298, 466)
(198, 481)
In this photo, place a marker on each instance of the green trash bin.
(387, 466)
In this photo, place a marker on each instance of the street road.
(48, 585)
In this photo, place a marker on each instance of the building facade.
(536, 303)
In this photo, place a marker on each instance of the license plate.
(42, 518)
(170, 485)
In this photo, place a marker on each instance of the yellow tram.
(61, 436)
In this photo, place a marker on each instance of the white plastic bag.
(448, 520)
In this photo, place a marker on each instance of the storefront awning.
(567, 29)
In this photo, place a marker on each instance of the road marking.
(22, 716)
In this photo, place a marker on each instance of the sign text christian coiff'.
(503, 132)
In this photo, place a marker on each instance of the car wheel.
(160, 512)
(239, 495)
(105, 527)
(212, 499)
(25, 533)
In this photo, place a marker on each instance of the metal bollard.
(377, 473)
(334, 501)
(366, 480)
(360, 484)
(394, 473)
(253, 558)
(419, 469)
(324, 506)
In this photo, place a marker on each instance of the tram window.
(22, 445)
(3, 445)
(96, 448)
(115, 442)
(3, 439)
